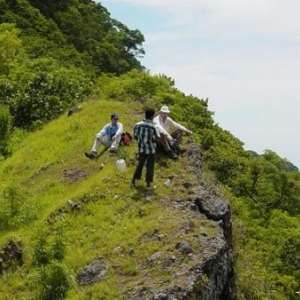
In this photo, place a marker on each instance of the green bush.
(54, 282)
(44, 90)
(5, 121)
(17, 208)
(45, 250)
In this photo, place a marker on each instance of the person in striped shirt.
(146, 134)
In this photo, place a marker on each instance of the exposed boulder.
(10, 254)
(93, 272)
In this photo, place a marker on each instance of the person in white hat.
(169, 130)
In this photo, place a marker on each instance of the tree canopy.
(51, 52)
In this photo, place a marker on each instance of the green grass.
(115, 223)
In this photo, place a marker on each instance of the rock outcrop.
(195, 260)
(211, 275)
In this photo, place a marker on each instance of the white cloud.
(228, 18)
(243, 55)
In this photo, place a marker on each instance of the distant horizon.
(240, 57)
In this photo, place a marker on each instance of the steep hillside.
(73, 228)
(60, 212)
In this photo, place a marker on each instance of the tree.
(5, 123)
(44, 90)
(12, 52)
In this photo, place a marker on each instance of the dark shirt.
(145, 133)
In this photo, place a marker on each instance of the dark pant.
(163, 140)
(149, 159)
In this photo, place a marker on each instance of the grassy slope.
(112, 216)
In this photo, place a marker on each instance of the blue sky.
(243, 55)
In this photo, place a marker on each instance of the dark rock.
(73, 205)
(10, 254)
(184, 247)
(155, 256)
(74, 110)
(93, 272)
(73, 175)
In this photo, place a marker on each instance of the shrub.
(54, 282)
(46, 251)
(5, 121)
(44, 90)
(16, 208)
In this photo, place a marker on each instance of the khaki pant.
(108, 144)
(163, 140)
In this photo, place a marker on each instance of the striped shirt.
(145, 133)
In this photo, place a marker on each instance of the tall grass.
(114, 222)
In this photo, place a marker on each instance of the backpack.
(126, 138)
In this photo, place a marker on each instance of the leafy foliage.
(54, 55)
(46, 251)
(54, 282)
(17, 208)
(12, 52)
(5, 121)
(51, 53)
(40, 88)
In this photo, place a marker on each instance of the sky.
(244, 56)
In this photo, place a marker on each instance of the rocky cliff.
(198, 263)
(207, 273)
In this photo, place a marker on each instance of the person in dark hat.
(109, 136)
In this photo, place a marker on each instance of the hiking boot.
(182, 151)
(172, 155)
(132, 184)
(151, 187)
(112, 150)
(91, 155)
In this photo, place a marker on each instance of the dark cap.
(114, 117)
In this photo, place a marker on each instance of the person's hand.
(113, 138)
(189, 132)
(170, 138)
(172, 141)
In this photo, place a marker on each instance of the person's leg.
(163, 140)
(115, 144)
(177, 135)
(150, 169)
(139, 168)
(98, 141)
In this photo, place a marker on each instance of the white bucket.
(121, 165)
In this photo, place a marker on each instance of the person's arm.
(161, 130)
(103, 131)
(120, 129)
(118, 132)
(176, 125)
(156, 132)
(136, 132)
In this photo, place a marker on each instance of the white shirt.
(167, 125)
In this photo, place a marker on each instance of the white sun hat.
(165, 109)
